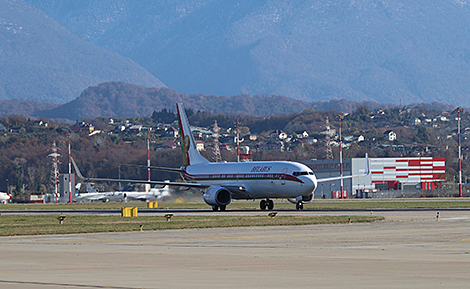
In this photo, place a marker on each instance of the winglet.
(77, 170)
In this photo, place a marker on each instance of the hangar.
(398, 174)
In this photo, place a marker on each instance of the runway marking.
(456, 218)
(61, 284)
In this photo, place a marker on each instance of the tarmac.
(410, 249)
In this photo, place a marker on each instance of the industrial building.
(403, 173)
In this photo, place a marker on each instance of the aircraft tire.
(299, 206)
(222, 208)
(270, 204)
(215, 208)
(262, 205)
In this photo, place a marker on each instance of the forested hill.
(119, 99)
(24, 107)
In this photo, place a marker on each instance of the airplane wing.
(163, 183)
(173, 170)
(366, 173)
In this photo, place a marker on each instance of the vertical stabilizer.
(191, 156)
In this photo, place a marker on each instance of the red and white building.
(428, 172)
(403, 173)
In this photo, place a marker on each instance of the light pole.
(70, 173)
(459, 110)
(119, 172)
(340, 118)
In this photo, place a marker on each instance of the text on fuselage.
(261, 169)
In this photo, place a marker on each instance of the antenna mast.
(55, 168)
(216, 153)
(329, 151)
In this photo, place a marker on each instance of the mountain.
(24, 107)
(41, 60)
(387, 51)
(119, 99)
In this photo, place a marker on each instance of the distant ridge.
(385, 51)
(24, 107)
(43, 61)
(119, 99)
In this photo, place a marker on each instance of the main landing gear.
(266, 204)
(299, 206)
(216, 208)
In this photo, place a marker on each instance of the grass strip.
(11, 225)
(437, 203)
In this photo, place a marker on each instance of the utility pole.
(238, 143)
(148, 153)
(340, 118)
(70, 173)
(459, 110)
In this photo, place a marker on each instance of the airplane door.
(283, 176)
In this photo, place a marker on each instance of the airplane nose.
(310, 183)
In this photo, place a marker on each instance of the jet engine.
(217, 196)
(304, 199)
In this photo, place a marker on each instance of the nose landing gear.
(266, 204)
(299, 206)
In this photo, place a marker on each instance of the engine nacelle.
(304, 199)
(217, 196)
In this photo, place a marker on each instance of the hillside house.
(169, 144)
(40, 123)
(225, 147)
(135, 128)
(83, 127)
(250, 137)
(279, 134)
(390, 135)
(172, 132)
(199, 145)
(302, 134)
(415, 121)
(272, 146)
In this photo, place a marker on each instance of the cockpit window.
(295, 174)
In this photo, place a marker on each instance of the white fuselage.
(154, 194)
(275, 179)
(4, 198)
(89, 197)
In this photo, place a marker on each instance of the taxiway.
(410, 249)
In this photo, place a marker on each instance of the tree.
(422, 135)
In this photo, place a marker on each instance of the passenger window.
(295, 174)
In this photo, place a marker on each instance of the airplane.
(154, 195)
(89, 195)
(92, 195)
(5, 198)
(220, 183)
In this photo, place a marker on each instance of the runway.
(410, 249)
